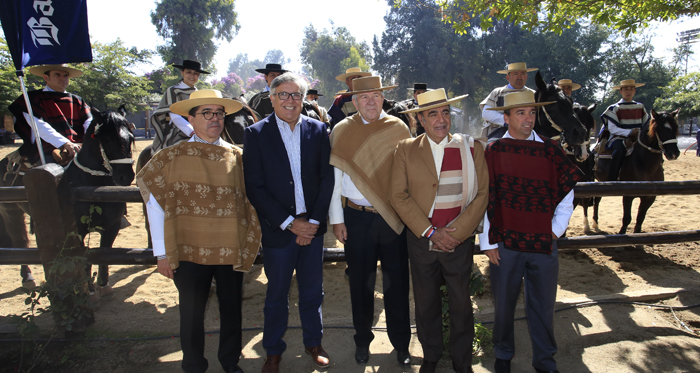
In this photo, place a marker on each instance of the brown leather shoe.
(272, 364)
(319, 356)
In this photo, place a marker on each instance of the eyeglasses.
(208, 114)
(285, 95)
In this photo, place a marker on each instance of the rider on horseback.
(61, 117)
(623, 120)
(516, 75)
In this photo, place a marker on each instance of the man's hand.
(340, 232)
(634, 134)
(443, 241)
(303, 241)
(71, 148)
(303, 228)
(164, 268)
(493, 255)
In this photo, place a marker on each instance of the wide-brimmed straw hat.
(628, 83)
(205, 97)
(568, 82)
(517, 66)
(420, 87)
(367, 84)
(42, 69)
(272, 68)
(519, 99)
(192, 65)
(433, 99)
(313, 92)
(353, 71)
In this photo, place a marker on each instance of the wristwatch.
(289, 226)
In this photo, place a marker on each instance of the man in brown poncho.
(203, 226)
(362, 152)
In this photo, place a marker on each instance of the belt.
(355, 206)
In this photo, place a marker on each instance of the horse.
(557, 121)
(234, 125)
(104, 160)
(586, 166)
(657, 138)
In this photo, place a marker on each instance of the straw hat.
(433, 99)
(192, 65)
(367, 84)
(270, 68)
(42, 69)
(568, 82)
(205, 97)
(519, 99)
(516, 66)
(628, 83)
(353, 71)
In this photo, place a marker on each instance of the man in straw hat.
(203, 226)
(568, 87)
(169, 127)
(290, 182)
(531, 195)
(516, 75)
(439, 188)
(623, 120)
(342, 105)
(312, 97)
(62, 118)
(261, 101)
(363, 219)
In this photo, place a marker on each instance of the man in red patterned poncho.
(531, 195)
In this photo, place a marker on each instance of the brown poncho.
(366, 153)
(208, 218)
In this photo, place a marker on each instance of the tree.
(556, 15)
(682, 92)
(107, 82)
(231, 84)
(9, 83)
(191, 26)
(327, 54)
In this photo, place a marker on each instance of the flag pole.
(40, 148)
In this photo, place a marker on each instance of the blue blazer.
(268, 176)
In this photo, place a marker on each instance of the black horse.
(656, 139)
(585, 114)
(104, 159)
(557, 121)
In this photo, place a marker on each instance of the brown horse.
(656, 139)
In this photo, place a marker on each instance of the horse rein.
(660, 143)
(106, 162)
(560, 137)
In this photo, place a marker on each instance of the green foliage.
(9, 83)
(682, 92)
(555, 15)
(190, 28)
(327, 54)
(107, 82)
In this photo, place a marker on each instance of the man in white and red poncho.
(531, 183)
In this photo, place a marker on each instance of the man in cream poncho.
(203, 226)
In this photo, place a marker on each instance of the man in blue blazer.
(289, 180)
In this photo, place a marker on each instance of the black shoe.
(362, 355)
(502, 366)
(428, 367)
(404, 359)
(235, 369)
(546, 371)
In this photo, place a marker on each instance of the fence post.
(52, 212)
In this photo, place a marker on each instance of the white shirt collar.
(182, 85)
(381, 115)
(533, 137)
(48, 89)
(442, 143)
(281, 121)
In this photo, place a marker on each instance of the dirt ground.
(137, 327)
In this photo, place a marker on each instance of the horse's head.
(559, 119)
(664, 129)
(585, 115)
(111, 133)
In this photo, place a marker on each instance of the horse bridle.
(106, 162)
(560, 136)
(659, 142)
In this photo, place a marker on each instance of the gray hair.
(289, 78)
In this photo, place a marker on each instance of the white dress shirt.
(344, 187)
(493, 116)
(560, 220)
(178, 120)
(48, 133)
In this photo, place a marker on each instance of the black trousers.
(370, 239)
(430, 270)
(193, 283)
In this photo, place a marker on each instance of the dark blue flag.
(45, 31)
